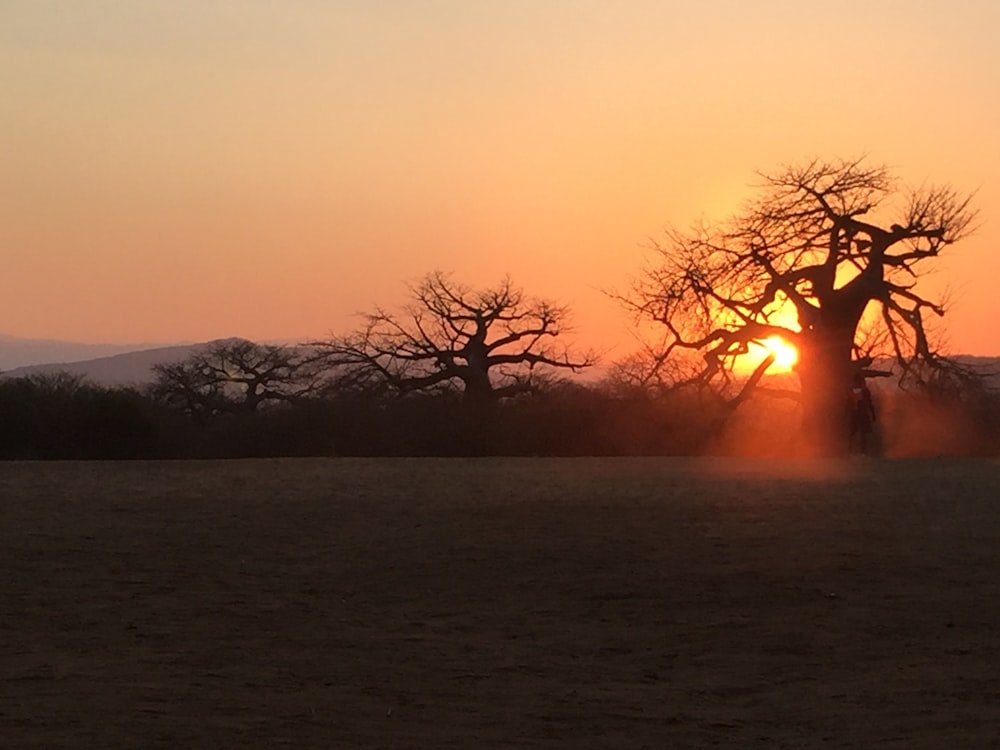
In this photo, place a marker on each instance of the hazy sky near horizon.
(194, 169)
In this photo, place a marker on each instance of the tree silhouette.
(824, 247)
(235, 375)
(492, 343)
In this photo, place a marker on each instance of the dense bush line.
(61, 417)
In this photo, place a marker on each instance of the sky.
(184, 170)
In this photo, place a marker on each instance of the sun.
(785, 355)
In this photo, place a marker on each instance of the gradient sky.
(193, 169)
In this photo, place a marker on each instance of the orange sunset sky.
(182, 170)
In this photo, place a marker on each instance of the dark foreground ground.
(577, 603)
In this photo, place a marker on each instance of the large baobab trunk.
(478, 389)
(825, 373)
(479, 404)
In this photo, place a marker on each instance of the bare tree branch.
(235, 375)
(495, 342)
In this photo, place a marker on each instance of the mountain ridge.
(131, 368)
(17, 352)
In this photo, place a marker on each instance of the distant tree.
(828, 241)
(235, 375)
(491, 343)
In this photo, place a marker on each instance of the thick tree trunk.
(825, 373)
(479, 404)
(477, 387)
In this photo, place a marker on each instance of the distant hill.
(130, 368)
(20, 352)
(987, 367)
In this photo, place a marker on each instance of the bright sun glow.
(785, 355)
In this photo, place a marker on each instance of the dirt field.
(582, 603)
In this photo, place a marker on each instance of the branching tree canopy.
(492, 343)
(827, 257)
(235, 375)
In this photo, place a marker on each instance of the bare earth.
(582, 603)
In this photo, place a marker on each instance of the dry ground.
(414, 603)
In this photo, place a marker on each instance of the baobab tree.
(491, 343)
(236, 375)
(827, 257)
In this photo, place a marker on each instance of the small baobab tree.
(236, 375)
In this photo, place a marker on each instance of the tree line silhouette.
(463, 371)
(64, 417)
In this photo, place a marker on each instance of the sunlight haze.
(189, 170)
